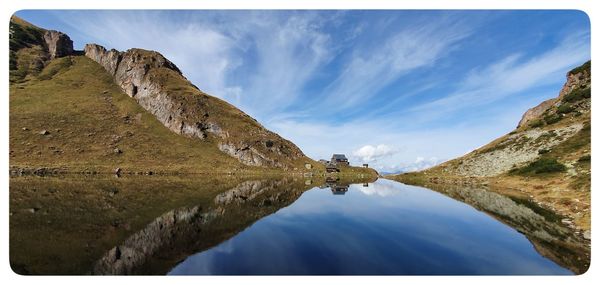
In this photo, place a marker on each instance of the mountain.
(546, 158)
(98, 109)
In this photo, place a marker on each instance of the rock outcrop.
(160, 88)
(536, 112)
(581, 79)
(58, 44)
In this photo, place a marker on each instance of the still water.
(212, 225)
(378, 228)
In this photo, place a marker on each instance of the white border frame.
(11, 6)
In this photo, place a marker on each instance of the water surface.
(378, 228)
(279, 225)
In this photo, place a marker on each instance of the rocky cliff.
(160, 88)
(58, 44)
(544, 130)
(577, 79)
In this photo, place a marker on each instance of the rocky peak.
(160, 88)
(578, 78)
(58, 44)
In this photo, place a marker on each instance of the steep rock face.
(536, 112)
(58, 44)
(159, 87)
(576, 80)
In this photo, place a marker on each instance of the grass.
(536, 123)
(26, 52)
(55, 66)
(565, 109)
(542, 165)
(552, 118)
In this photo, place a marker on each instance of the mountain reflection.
(150, 225)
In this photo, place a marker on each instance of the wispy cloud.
(511, 75)
(373, 68)
(287, 50)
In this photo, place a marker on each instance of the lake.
(281, 226)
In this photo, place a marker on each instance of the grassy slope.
(566, 192)
(88, 117)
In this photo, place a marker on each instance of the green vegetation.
(536, 123)
(23, 35)
(55, 66)
(540, 166)
(26, 52)
(553, 118)
(584, 67)
(577, 94)
(578, 142)
(585, 158)
(565, 109)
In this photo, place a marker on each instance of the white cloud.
(382, 187)
(373, 68)
(288, 52)
(369, 153)
(509, 76)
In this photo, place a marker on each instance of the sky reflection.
(385, 228)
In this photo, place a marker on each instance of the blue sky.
(401, 90)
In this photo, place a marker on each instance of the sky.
(401, 90)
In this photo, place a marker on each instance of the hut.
(339, 189)
(339, 159)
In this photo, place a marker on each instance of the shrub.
(577, 94)
(536, 123)
(551, 119)
(586, 66)
(540, 166)
(565, 108)
(585, 158)
(542, 151)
